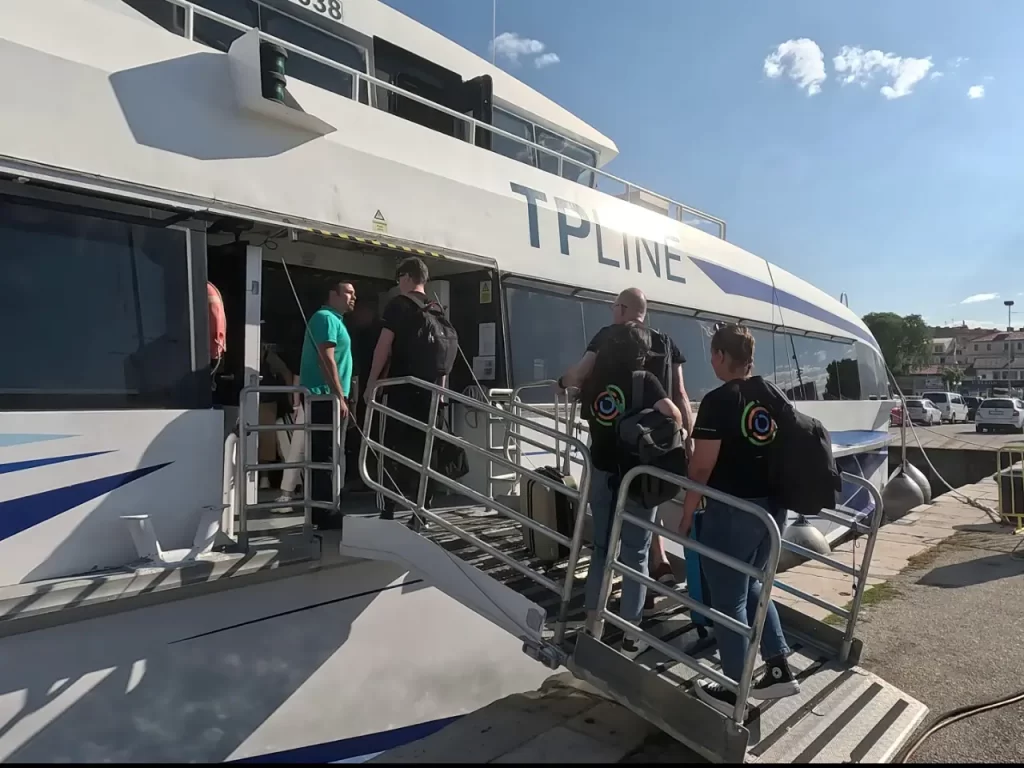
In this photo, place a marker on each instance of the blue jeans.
(735, 594)
(636, 543)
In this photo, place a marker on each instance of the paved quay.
(924, 645)
(955, 437)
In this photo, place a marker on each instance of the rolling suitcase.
(696, 584)
(552, 509)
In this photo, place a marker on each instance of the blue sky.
(911, 203)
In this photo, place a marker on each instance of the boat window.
(826, 370)
(220, 37)
(874, 381)
(101, 309)
(328, 46)
(170, 17)
(547, 334)
(506, 121)
(570, 170)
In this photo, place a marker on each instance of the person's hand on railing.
(342, 408)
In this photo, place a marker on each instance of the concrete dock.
(566, 721)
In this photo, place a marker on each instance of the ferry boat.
(143, 155)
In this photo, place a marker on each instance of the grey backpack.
(647, 436)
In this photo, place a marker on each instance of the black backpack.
(804, 469)
(646, 436)
(431, 349)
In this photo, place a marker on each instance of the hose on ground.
(955, 716)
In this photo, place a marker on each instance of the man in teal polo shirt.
(326, 368)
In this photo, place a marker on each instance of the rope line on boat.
(955, 716)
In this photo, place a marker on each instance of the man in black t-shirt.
(733, 443)
(402, 318)
(631, 306)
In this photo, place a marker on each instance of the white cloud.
(955, 63)
(804, 62)
(511, 46)
(546, 60)
(855, 65)
(976, 92)
(988, 78)
(978, 297)
(935, 75)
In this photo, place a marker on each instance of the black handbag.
(449, 459)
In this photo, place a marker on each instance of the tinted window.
(548, 334)
(936, 397)
(101, 310)
(997, 404)
(874, 381)
(170, 17)
(220, 36)
(314, 40)
(570, 170)
(825, 370)
(508, 147)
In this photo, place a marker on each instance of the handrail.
(471, 122)
(860, 575)
(765, 575)
(243, 467)
(427, 473)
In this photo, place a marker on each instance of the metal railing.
(563, 413)
(765, 575)
(860, 575)
(426, 473)
(674, 209)
(307, 465)
(1010, 503)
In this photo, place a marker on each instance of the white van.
(952, 406)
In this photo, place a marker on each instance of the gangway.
(476, 554)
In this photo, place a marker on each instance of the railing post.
(428, 448)
(336, 457)
(307, 472)
(595, 624)
(242, 473)
(757, 623)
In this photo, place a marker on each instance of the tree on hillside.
(904, 341)
(952, 378)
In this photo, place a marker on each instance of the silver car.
(923, 411)
(1000, 414)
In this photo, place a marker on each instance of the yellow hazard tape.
(378, 243)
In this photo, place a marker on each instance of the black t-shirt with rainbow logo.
(734, 413)
(604, 402)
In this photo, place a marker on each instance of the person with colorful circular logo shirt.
(733, 441)
(606, 397)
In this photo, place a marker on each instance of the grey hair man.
(631, 306)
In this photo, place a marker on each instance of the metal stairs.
(476, 553)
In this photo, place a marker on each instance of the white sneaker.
(633, 647)
(284, 497)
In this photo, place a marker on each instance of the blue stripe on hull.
(357, 749)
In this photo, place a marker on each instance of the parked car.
(1000, 414)
(972, 406)
(896, 417)
(950, 404)
(923, 411)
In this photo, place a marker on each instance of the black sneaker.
(633, 647)
(716, 696)
(650, 609)
(777, 682)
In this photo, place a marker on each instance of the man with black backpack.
(416, 339)
(665, 361)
